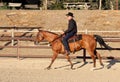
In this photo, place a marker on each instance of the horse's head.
(39, 37)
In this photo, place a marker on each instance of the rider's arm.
(71, 26)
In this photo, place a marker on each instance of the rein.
(57, 38)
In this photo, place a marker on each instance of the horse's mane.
(51, 32)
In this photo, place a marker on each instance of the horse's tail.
(102, 42)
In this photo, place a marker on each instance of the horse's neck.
(49, 36)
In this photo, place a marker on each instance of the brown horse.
(87, 42)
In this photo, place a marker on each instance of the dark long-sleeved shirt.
(72, 27)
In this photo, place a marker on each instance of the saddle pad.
(76, 38)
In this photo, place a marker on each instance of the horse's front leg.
(68, 58)
(53, 59)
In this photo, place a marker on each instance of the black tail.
(102, 42)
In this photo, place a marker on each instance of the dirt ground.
(32, 70)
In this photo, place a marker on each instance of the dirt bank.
(56, 20)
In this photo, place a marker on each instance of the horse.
(88, 42)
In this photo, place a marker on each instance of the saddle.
(75, 38)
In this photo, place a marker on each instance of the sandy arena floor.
(32, 70)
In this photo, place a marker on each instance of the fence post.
(12, 35)
(18, 55)
(86, 31)
(84, 55)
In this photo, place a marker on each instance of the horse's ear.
(39, 29)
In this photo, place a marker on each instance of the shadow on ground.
(112, 62)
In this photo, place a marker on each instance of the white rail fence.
(13, 31)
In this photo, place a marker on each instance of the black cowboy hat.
(70, 14)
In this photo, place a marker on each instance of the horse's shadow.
(82, 65)
(112, 62)
(6, 44)
(78, 62)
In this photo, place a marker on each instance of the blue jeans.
(65, 40)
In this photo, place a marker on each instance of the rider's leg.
(66, 46)
(65, 42)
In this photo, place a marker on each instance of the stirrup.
(67, 52)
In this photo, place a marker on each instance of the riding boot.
(67, 52)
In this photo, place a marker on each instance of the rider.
(71, 31)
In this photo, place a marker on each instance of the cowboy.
(71, 31)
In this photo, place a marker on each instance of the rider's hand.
(63, 31)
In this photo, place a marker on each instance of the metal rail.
(27, 38)
(45, 47)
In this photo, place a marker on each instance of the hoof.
(102, 66)
(69, 68)
(73, 68)
(92, 69)
(48, 68)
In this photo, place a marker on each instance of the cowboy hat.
(70, 14)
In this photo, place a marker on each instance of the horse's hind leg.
(99, 57)
(68, 58)
(53, 59)
(93, 57)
